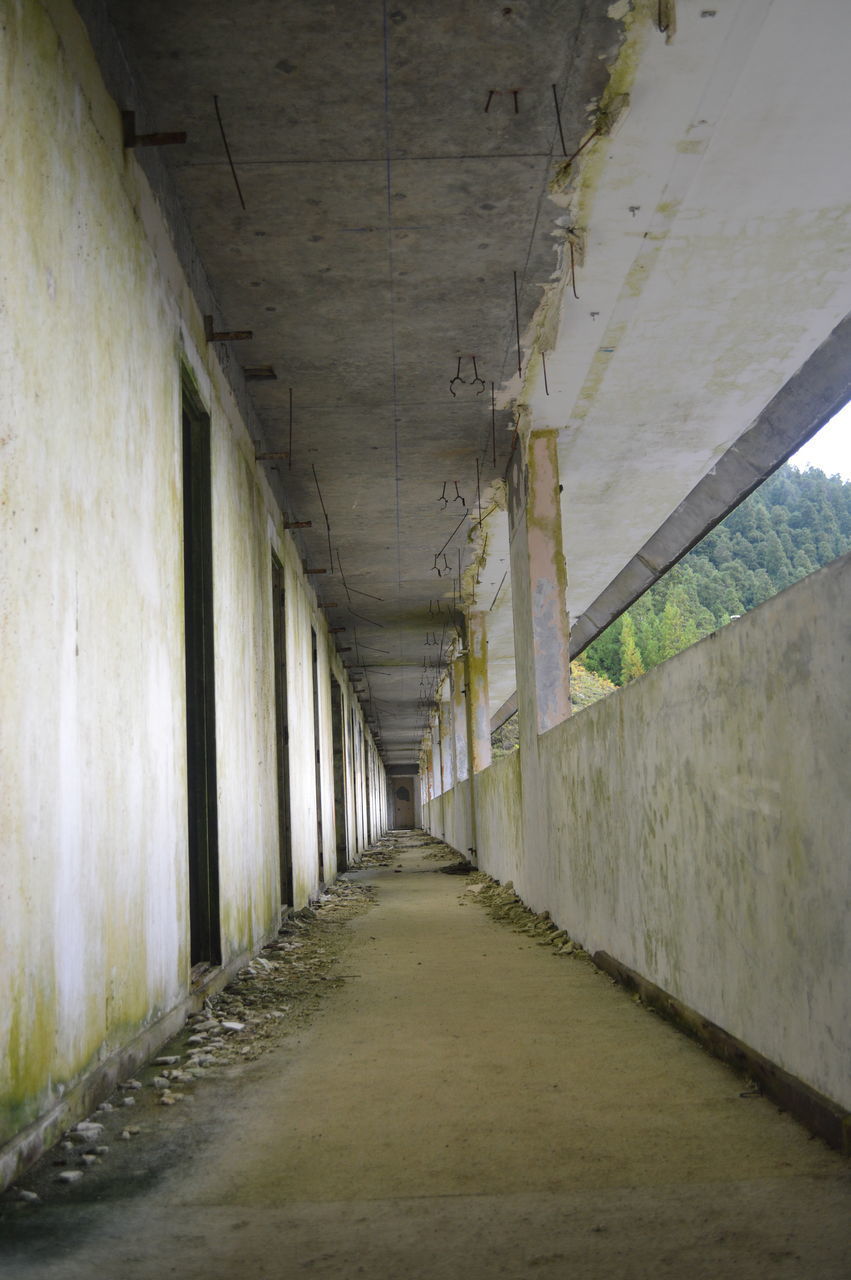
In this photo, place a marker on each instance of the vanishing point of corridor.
(464, 1103)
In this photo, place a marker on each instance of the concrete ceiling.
(387, 212)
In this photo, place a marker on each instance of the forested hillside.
(794, 523)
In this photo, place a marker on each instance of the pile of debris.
(388, 848)
(280, 988)
(444, 853)
(275, 994)
(502, 904)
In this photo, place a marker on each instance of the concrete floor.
(467, 1105)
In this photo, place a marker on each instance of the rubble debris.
(503, 905)
(275, 994)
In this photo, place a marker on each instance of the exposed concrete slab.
(387, 212)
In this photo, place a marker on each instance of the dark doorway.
(367, 760)
(315, 657)
(205, 938)
(282, 732)
(403, 802)
(355, 766)
(339, 773)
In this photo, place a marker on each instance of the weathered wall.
(457, 816)
(302, 754)
(97, 325)
(696, 828)
(245, 682)
(499, 818)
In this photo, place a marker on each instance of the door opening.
(356, 797)
(282, 733)
(403, 802)
(339, 773)
(368, 785)
(315, 657)
(204, 925)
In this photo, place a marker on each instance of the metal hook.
(458, 497)
(443, 498)
(476, 377)
(457, 378)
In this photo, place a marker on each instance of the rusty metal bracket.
(133, 139)
(464, 382)
(499, 93)
(231, 335)
(303, 524)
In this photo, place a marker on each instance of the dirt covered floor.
(422, 1080)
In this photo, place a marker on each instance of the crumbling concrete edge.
(816, 1112)
(97, 1084)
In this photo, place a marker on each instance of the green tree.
(795, 523)
(631, 664)
(678, 628)
(603, 655)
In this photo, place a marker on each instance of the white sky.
(830, 448)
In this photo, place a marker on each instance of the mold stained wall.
(695, 827)
(96, 325)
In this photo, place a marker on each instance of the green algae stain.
(30, 1054)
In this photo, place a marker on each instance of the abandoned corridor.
(467, 1103)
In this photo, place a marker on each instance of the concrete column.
(436, 765)
(477, 692)
(447, 778)
(459, 719)
(426, 767)
(539, 586)
(434, 756)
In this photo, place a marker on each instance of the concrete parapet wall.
(696, 827)
(499, 829)
(458, 817)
